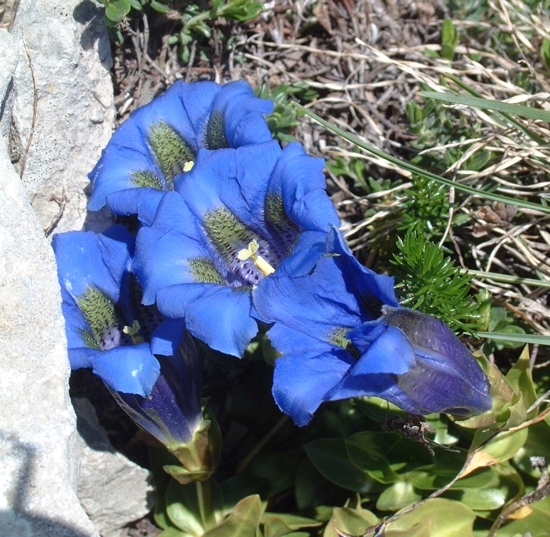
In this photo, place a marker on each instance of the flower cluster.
(238, 235)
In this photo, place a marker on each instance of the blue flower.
(341, 334)
(161, 140)
(150, 365)
(172, 411)
(100, 309)
(231, 221)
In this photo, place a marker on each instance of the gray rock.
(64, 111)
(37, 424)
(113, 490)
(8, 62)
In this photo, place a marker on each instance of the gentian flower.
(162, 139)
(172, 411)
(341, 334)
(231, 221)
(109, 331)
(93, 271)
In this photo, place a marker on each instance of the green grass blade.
(507, 278)
(520, 338)
(517, 124)
(485, 104)
(415, 169)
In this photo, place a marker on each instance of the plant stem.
(204, 497)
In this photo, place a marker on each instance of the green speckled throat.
(147, 179)
(204, 271)
(100, 313)
(338, 338)
(171, 151)
(215, 132)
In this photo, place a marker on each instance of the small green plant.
(426, 209)
(449, 39)
(431, 282)
(285, 116)
(195, 21)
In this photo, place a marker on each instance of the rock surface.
(54, 78)
(112, 489)
(64, 111)
(37, 424)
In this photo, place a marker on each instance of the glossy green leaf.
(116, 10)
(182, 507)
(480, 499)
(536, 445)
(282, 524)
(330, 458)
(243, 521)
(521, 380)
(173, 532)
(367, 450)
(350, 521)
(536, 524)
(161, 8)
(443, 518)
(397, 496)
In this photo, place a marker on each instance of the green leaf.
(499, 449)
(240, 10)
(367, 451)
(182, 507)
(439, 517)
(173, 532)
(116, 10)
(449, 39)
(161, 8)
(521, 380)
(351, 521)
(485, 104)
(545, 52)
(397, 496)
(243, 521)
(535, 524)
(331, 460)
(282, 524)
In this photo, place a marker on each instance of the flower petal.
(84, 259)
(131, 369)
(241, 116)
(128, 160)
(216, 314)
(388, 351)
(302, 381)
(299, 181)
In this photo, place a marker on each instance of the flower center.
(259, 262)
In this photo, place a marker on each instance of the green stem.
(204, 497)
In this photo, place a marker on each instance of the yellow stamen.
(133, 332)
(188, 165)
(259, 262)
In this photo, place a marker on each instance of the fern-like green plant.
(426, 207)
(430, 282)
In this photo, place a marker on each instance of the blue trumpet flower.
(341, 334)
(150, 365)
(231, 222)
(172, 411)
(162, 139)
